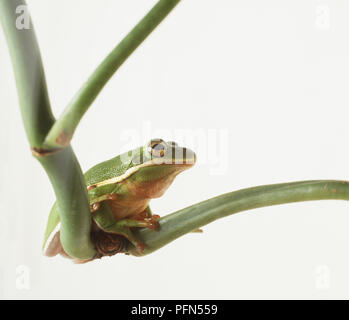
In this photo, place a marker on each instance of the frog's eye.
(157, 147)
(172, 144)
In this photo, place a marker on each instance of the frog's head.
(156, 165)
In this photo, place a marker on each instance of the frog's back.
(109, 169)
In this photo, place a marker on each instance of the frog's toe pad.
(152, 223)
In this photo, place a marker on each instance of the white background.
(273, 74)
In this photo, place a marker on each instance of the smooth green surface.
(73, 206)
(69, 120)
(183, 221)
(29, 74)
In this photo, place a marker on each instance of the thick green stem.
(183, 221)
(68, 182)
(63, 130)
(62, 167)
(29, 72)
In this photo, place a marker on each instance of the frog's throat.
(132, 170)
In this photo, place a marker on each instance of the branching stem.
(63, 129)
(49, 140)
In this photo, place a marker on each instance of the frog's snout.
(189, 157)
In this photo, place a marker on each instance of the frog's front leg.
(100, 194)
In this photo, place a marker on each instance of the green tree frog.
(120, 190)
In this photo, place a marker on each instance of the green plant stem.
(62, 167)
(183, 221)
(29, 74)
(68, 182)
(63, 130)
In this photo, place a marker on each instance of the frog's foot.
(144, 220)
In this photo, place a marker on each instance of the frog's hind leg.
(105, 220)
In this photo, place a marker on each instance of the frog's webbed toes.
(140, 221)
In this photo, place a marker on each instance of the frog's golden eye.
(157, 147)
